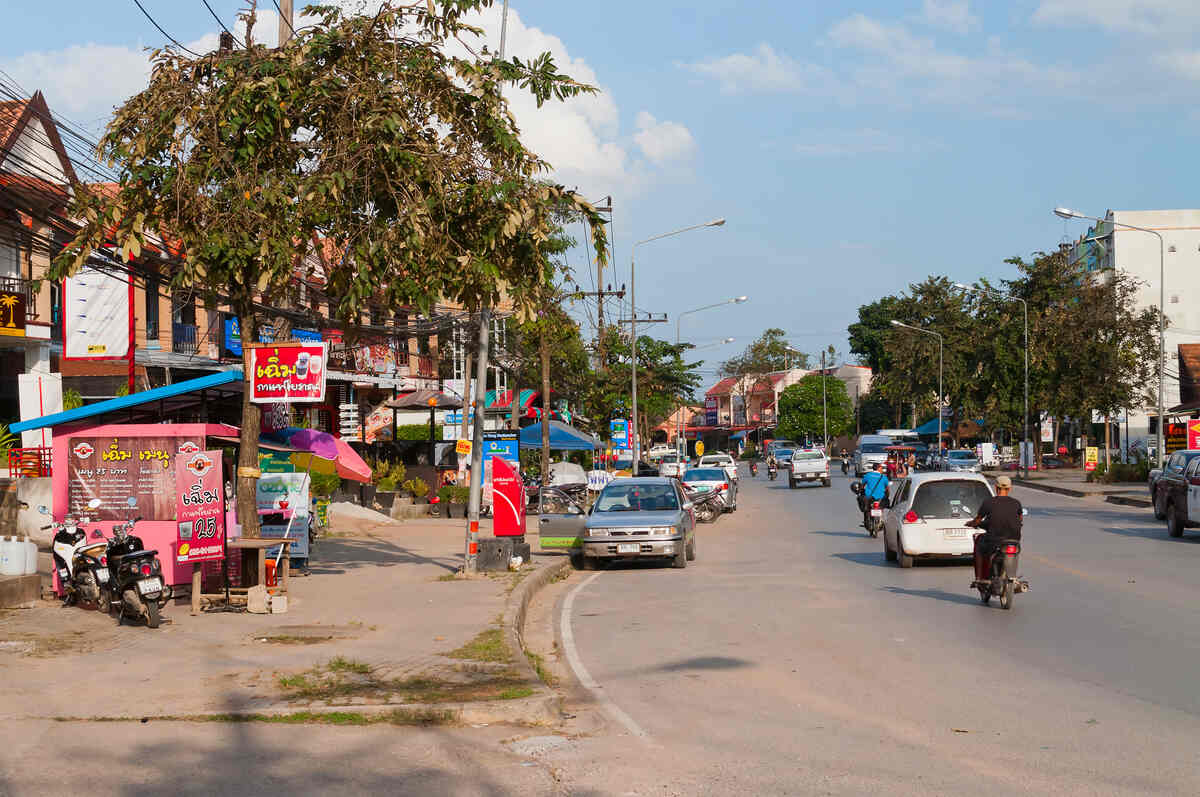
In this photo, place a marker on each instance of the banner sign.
(378, 424)
(1091, 458)
(115, 469)
(287, 372)
(200, 510)
(619, 432)
(508, 499)
(1193, 434)
(12, 313)
(463, 447)
(96, 309)
(278, 497)
(710, 411)
(1175, 437)
(232, 339)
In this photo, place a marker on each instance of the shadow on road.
(704, 663)
(861, 535)
(874, 558)
(1154, 533)
(337, 555)
(936, 594)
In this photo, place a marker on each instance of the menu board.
(115, 469)
(283, 497)
(201, 510)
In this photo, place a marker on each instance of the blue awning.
(125, 402)
(737, 435)
(562, 437)
(930, 427)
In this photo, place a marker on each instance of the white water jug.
(30, 556)
(12, 557)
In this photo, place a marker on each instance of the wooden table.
(262, 545)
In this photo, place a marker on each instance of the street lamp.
(680, 430)
(1025, 313)
(633, 322)
(1067, 213)
(896, 323)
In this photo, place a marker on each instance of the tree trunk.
(1107, 442)
(247, 486)
(544, 351)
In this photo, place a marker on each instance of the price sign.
(463, 447)
(200, 511)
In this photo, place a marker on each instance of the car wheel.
(1160, 510)
(577, 561)
(680, 561)
(1174, 520)
(590, 562)
(691, 550)
(791, 484)
(826, 483)
(888, 553)
(902, 559)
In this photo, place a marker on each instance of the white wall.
(33, 156)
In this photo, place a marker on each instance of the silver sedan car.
(640, 518)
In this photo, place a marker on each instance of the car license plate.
(876, 513)
(102, 576)
(955, 534)
(148, 585)
(702, 488)
(629, 547)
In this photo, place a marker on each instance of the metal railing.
(183, 338)
(425, 366)
(21, 286)
(31, 462)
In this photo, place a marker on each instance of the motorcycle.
(753, 469)
(872, 521)
(708, 506)
(772, 470)
(82, 573)
(136, 576)
(997, 575)
(845, 466)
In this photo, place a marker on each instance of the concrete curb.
(516, 609)
(1128, 500)
(1048, 488)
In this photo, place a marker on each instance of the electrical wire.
(222, 24)
(286, 21)
(154, 22)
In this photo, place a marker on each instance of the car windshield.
(873, 448)
(808, 455)
(949, 498)
(704, 475)
(637, 497)
(962, 455)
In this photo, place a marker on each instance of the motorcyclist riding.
(874, 488)
(1000, 517)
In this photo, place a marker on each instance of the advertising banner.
(12, 314)
(287, 372)
(115, 469)
(96, 309)
(231, 341)
(508, 498)
(378, 424)
(200, 510)
(1193, 434)
(1175, 437)
(619, 432)
(710, 411)
(1091, 458)
(281, 496)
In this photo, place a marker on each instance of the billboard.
(710, 411)
(287, 372)
(115, 469)
(231, 339)
(97, 316)
(619, 430)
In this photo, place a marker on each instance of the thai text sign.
(287, 372)
(200, 510)
(283, 506)
(508, 499)
(115, 469)
(1193, 434)
(1091, 457)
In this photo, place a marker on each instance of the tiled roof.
(10, 113)
(722, 387)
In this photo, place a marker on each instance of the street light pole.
(679, 426)
(1025, 313)
(1067, 213)
(896, 323)
(633, 324)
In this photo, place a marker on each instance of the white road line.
(585, 678)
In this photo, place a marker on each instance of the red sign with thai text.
(200, 512)
(508, 499)
(288, 372)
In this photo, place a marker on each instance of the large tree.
(768, 354)
(803, 409)
(363, 130)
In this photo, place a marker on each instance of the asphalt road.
(791, 658)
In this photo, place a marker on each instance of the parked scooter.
(997, 574)
(81, 570)
(136, 576)
(708, 506)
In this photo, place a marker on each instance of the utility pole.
(633, 321)
(285, 22)
(824, 411)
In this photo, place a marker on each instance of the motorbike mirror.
(42, 510)
(131, 501)
(94, 503)
(1024, 511)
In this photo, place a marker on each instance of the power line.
(154, 22)
(222, 24)
(285, 19)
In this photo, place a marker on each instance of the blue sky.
(853, 147)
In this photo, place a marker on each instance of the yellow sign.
(699, 448)
(96, 348)
(463, 447)
(1091, 457)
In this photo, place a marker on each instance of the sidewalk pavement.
(1073, 482)
(381, 621)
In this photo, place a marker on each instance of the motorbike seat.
(118, 558)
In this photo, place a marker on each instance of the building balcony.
(183, 338)
(425, 367)
(23, 287)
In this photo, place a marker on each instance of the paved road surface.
(791, 658)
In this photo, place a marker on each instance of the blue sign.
(502, 444)
(619, 430)
(233, 336)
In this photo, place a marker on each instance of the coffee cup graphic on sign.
(315, 365)
(185, 530)
(302, 365)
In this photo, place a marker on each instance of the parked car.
(670, 465)
(960, 460)
(810, 465)
(722, 461)
(640, 518)
(706, 480)
(928, 516)
(1172, 490)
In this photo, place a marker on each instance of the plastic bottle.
(12, 557)
(31, 556)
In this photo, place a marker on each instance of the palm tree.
(9, 301)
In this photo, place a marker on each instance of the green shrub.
(71, 399)
(418, 431)
(386, 485)
(417, 488)
(453, 494)
(324, 485)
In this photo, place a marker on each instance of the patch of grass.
(539, 666)
(339, 664)
(447, 577)
(398, 716)
(488, 645)
(516, 693)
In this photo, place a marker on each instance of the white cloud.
(1182, 63)
(952, 15)
(763, 70)
(1154, 17)
(837, 143)
(662, 142)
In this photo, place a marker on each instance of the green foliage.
(801, 410)
(386, 485)
(71, 399)
(382, 469)
(418, 431)
(1137, 472)
(417, 488)
(324, 485)
(453, 494)
(875, 412)
(123, 390)
(771, 352)
(8, 440)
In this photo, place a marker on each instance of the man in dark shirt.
(1000, 517)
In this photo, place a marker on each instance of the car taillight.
(911, 517)
(1010, 549)
(145, 570)
(725, 486)
(104, 560)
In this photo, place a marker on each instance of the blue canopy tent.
(563, 437)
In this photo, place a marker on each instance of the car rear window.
(808, 455)
(950, 498)
(704, 475)
(962, 455)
